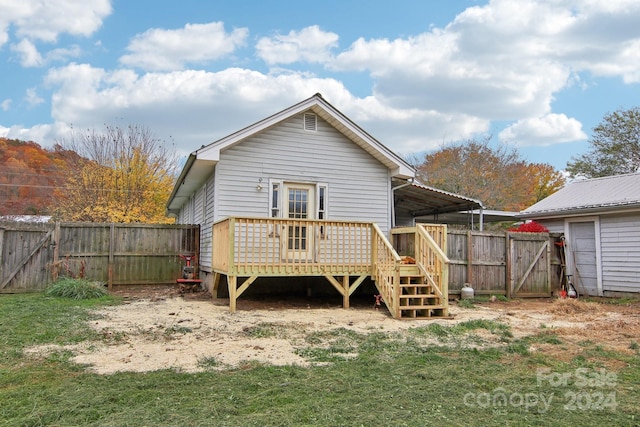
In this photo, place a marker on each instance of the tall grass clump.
(79, 289)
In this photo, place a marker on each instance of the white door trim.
(300, 245)
(567, 232)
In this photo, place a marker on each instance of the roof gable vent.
(310, 122)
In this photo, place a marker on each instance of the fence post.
(112, 238)
(507, 280)
(1, 252)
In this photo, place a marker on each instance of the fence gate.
(530, 262)
(25, 252)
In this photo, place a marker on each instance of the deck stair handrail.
(431, 258)
(386, 265)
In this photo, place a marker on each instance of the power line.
(52, 187)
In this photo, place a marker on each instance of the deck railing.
(431, 257)
(386, 270)
(254, 247)
(279, 247)
(427, 243)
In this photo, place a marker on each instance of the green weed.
(79, 289)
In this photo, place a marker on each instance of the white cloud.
(63, 54)
(310, 44)
(543, 131)
(29, 55)
(197, 107)
(42, 134)
(504, 60)
(5, 104)
(46, 20)
(159, 49)
(32, 97)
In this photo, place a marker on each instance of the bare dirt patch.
(162, 329)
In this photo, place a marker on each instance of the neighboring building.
(26, 218)
(600, 219)
(306, 162)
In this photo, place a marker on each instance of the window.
(274, 199)
(275, 205)
(322, 207)
(322, 201)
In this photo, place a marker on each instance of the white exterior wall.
(198, 206)
(358, 185)
(620, 242)
(553, 225)
(206, 250)
(619, 249)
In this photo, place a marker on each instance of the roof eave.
(583, 211)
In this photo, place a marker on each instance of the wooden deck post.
(231, 284)
(345, 295)
(215, 282)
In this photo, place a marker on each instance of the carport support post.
(470, 257)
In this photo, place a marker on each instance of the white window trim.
(280, 184)
(322, 209)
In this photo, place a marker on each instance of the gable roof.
(199, 163)
(589, 196)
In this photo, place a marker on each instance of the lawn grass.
(377, 378)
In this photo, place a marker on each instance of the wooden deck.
(344, 252)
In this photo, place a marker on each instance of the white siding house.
(308, 161)
(600, 219)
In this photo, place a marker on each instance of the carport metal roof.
(422, 200)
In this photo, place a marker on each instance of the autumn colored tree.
(29, 174)
(497, 176)
(122, 175)
(614, 147)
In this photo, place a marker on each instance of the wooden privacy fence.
(31, 255)
(510, 264)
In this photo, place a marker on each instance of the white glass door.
(299, 206)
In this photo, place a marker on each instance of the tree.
(496, 176)
(28, 176)
(614, 147)
(119, 175)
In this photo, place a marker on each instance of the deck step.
(420, 307)
(409, 296)
(415, 288)
(423, 313)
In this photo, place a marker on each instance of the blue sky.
(417, 75)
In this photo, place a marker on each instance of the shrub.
(67, 287)
(530, 227)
